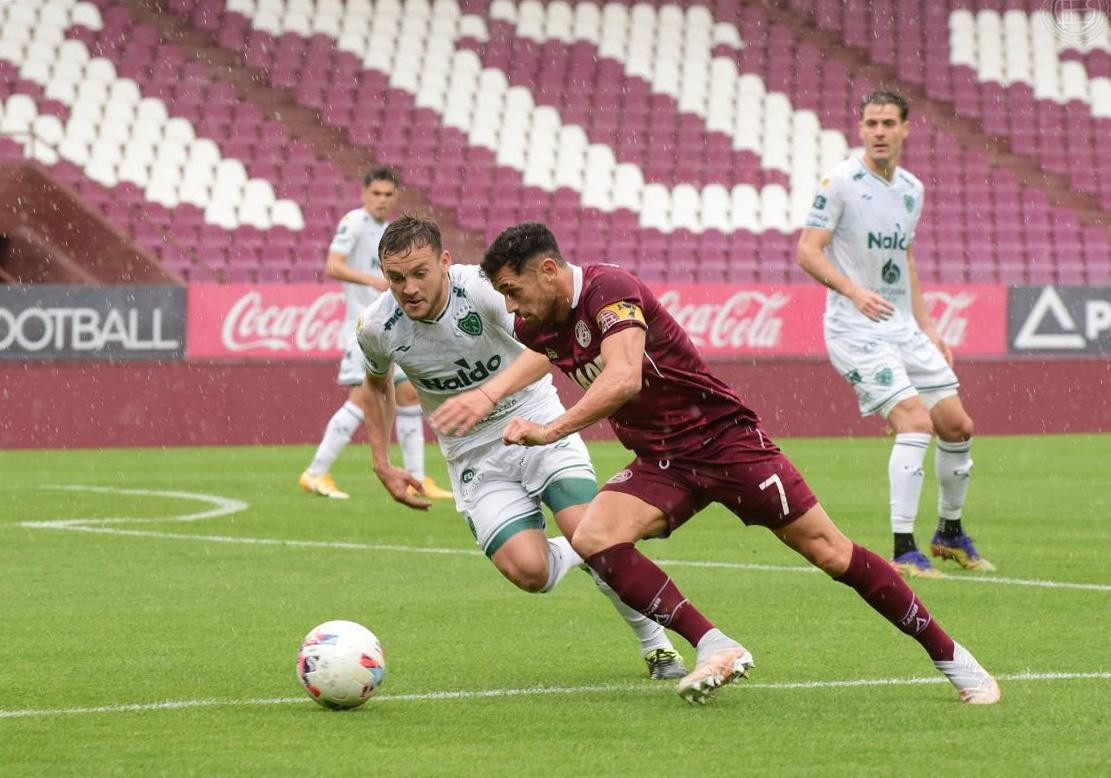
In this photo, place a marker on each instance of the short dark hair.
(382, 174)
(407, 234)
(518, 245)
(885, 97)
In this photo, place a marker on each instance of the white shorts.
(885, 372)
(498, 487)
(352, 369)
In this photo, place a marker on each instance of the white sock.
(904, 470)
(650, 634)
(410, 434)
(713, 641)
(954, 468)
(561, 558)
(336, 436)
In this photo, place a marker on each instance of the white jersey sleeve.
(370, 330)
(825, 211)
(347, 233)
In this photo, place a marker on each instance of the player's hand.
(397, 483)
(942, 346)
(459, 414)
(875, 306)
(522, 432)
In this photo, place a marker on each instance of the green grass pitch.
(206, 616)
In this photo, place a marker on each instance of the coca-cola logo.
(252, 324)
(948, 313)
(746, 319)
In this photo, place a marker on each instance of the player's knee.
(531, 575)
(590, 537)
(531, 579)
(957, 431)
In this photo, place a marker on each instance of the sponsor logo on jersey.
(395, 317)
(892, 240)
(470, 324)
(588, 373)
(467, 375)
(819, 203)
(615, 313)
(582, 333)
(621, 477)
(891, 272)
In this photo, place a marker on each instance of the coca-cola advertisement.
(279, 322)
(732, 320)
(306, 321)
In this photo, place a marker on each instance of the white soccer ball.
(341, 664)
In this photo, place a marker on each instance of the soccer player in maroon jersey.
(695, 443)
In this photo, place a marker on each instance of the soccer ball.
(341, 664)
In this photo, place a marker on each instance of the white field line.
(223, 506)
(533, 691)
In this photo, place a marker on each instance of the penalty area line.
(531, 691)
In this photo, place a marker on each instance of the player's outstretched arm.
(812, 258)
(922, 311)
(336, 267)
(380, 410)
(459, 414)
(619, 382)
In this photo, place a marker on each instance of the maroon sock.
(881, 587)
(646, 588)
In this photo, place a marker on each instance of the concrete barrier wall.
(72, 405)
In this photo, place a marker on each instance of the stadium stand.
(684, 141)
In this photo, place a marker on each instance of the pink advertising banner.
(305, 321)
(278, 321)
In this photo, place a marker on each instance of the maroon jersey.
(681, 404)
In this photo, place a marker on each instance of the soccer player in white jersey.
(353, 259)
(858, 241)
(448, 328)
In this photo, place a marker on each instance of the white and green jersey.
(873, 223)
(467, 343)
(357, 238)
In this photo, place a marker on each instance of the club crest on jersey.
(470, 324)
(621, 477)
(908, 201)
(582, 333)
(615, 313)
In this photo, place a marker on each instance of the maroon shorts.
(743, 470)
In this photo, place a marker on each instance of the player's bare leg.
(409, 427)
(317, 478)
(663, 661)
(817, 538)
(534, 562)
(913, 430)
(614, 522)
(953, 461)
